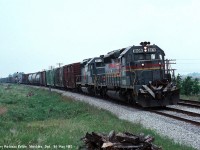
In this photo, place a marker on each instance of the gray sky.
(35, 34)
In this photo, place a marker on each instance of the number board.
(98, 60)
(140, 50)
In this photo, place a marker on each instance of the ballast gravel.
(180, 132)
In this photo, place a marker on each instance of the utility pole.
(51, 67)
(168, 63)
(59, 64)
(51, 76)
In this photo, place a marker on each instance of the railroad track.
(190, 103)
(175, 116)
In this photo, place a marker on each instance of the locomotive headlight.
(142, 64)
(159, 63)
(145, 49)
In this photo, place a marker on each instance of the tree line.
(188, 86)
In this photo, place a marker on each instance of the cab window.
(100, 64)
(153, 56)
(160, 56)
(139, 56)
(123, 61)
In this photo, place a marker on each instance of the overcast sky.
(35, 34)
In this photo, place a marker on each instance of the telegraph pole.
(168, 63)
(51, 68)
(59, 64)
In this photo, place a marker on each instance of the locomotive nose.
(159, 95)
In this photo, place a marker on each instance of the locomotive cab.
(90, 69)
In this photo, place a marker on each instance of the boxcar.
(71, 72)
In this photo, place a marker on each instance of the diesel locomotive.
(136, 74)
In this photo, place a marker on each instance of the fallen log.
(119, 141)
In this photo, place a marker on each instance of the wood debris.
(119, 141)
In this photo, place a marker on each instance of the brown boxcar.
(71, 72)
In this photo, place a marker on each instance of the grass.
(192, 97)
(48, 119)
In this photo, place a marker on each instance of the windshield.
(145, 56)
(100, 64)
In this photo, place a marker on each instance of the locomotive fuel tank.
(116, 95)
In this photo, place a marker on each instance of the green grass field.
(49, 120)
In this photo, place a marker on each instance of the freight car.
(136, 74)
(38, 78)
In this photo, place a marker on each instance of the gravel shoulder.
(179, 131)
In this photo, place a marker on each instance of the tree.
(187, 86)
(196, 87)
(179, 81)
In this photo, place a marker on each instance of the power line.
(187, 59)
(188, 63)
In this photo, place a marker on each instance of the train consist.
(135, 74)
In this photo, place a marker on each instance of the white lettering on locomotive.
(138, 50)
(151, 50)
(98, 60)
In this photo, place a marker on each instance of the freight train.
(136, 74)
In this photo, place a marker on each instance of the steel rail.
(176, 117)
(183, 112)
(190, 101)
(189, 104)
